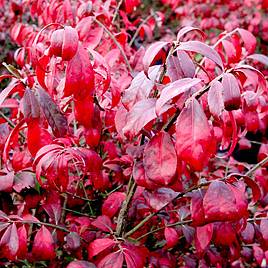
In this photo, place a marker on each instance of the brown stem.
(116, 11)
(163, 227)
(258, 165)
(122, 217)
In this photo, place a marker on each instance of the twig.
(116, 11)
(258, 165)
(138, 30)
(116, 43)
(163, 227)
(122, 217)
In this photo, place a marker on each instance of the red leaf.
(135, 256)
(193, 146)
(203, 237)
(40, 70)
(202, 48)
(248, 233)
(141, 114)
(12, 136)
(249, 40)
(171, 237)
(139, 89)
(103, 223)
(31, 109)
(160, 159)
(231, 92)
(259, 57)
(113, 260)
(6, 180)
(151, 53)
(22, 236)
(189, 29)
(70, 43)
(43, 245)
(64, 43)
(113, 203)
(256, 191)
(224, 233)
(98, 245)
(175, 89)
(231, 203)
(79, 75)
(10, 242)
(160, 197)
(81, 264)
(84, 111)
(197, 209)
(180, 67)
(37, 137)
(23, 180)
(215, 99)
(54, 116)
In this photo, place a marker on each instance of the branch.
(138, 30)
(257, 166)
(116, 11)
(163, 227)
(122, 217)
(116, 43)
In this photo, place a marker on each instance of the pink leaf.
(43, 245)
(171, 237)
(6, 180)
(180, 67)
(249, 40)
(81, 264)
(189, 29)
(141, 114)
(259, 57)
(99, 245)
(175, 89)
(202, 48)
(11, 88)
(23, 180)
(203, 237)
(113, 203)
(160, 159)
(160, 197)
(103, 223)
(231, 202)
(231, 92)
(193, 146)
(10, 242)
(113, 260)
(79, 75)
(139, 89)
(151, 53)
(215, 99)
